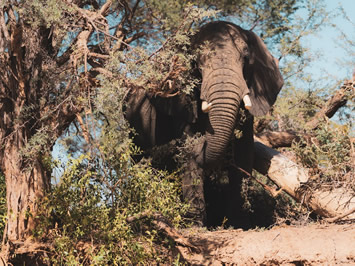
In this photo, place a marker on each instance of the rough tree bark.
(24, 187)
(24, 181)
(34, 108)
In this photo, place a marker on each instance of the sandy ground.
(313, 244)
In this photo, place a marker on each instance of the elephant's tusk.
(206, 107)
(247, 102)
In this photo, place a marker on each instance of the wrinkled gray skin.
(232, 63)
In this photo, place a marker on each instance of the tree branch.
(339, 217)
(277, 139)
(338, 100)
(161, 223)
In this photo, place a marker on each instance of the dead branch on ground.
(293, 178)
(162, 224)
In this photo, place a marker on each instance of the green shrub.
(88, 213)
(327, 153)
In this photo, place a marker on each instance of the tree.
(57, 56)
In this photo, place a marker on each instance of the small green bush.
(87, 213)
(327, 153)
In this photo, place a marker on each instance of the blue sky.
(327, 43)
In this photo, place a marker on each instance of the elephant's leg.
(193, 193)
(243, 153)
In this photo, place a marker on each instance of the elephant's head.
(234, 64)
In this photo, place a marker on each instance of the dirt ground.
(312, 244)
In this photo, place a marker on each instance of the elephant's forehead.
(232, 48)
(221, 34)
(224, 41)
(217, 58)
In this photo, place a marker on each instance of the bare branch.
(161, 223)
(84, 128)
(338, 100)
(82, 39)
(135, 37)
(277, 139)
(105, 8)
(339, 217)
(102, 56)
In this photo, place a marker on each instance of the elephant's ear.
(179, 106)
(263, 76)
(141, 115)
(157, 120)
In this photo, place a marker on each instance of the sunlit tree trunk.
(25, 186)
(31, 102)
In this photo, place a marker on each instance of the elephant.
(240, 79)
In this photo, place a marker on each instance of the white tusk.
(247, 102)
(206, 107)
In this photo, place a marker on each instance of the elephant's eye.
(246, 59)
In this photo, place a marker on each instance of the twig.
(102, 56)
(274, 193)
(339, 217)
(84, 128)
(161, 223)
(171, 37)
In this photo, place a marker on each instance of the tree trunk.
(33, 107)
(25, 185)
(291, 178)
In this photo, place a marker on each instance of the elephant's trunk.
(222, 117)
(224, 87)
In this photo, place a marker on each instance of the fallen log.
(276, 139)
(293, 179)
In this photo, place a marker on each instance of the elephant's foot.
(197, 215)
(192, 189)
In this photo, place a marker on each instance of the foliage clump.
(328, 153)
(88, 213)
